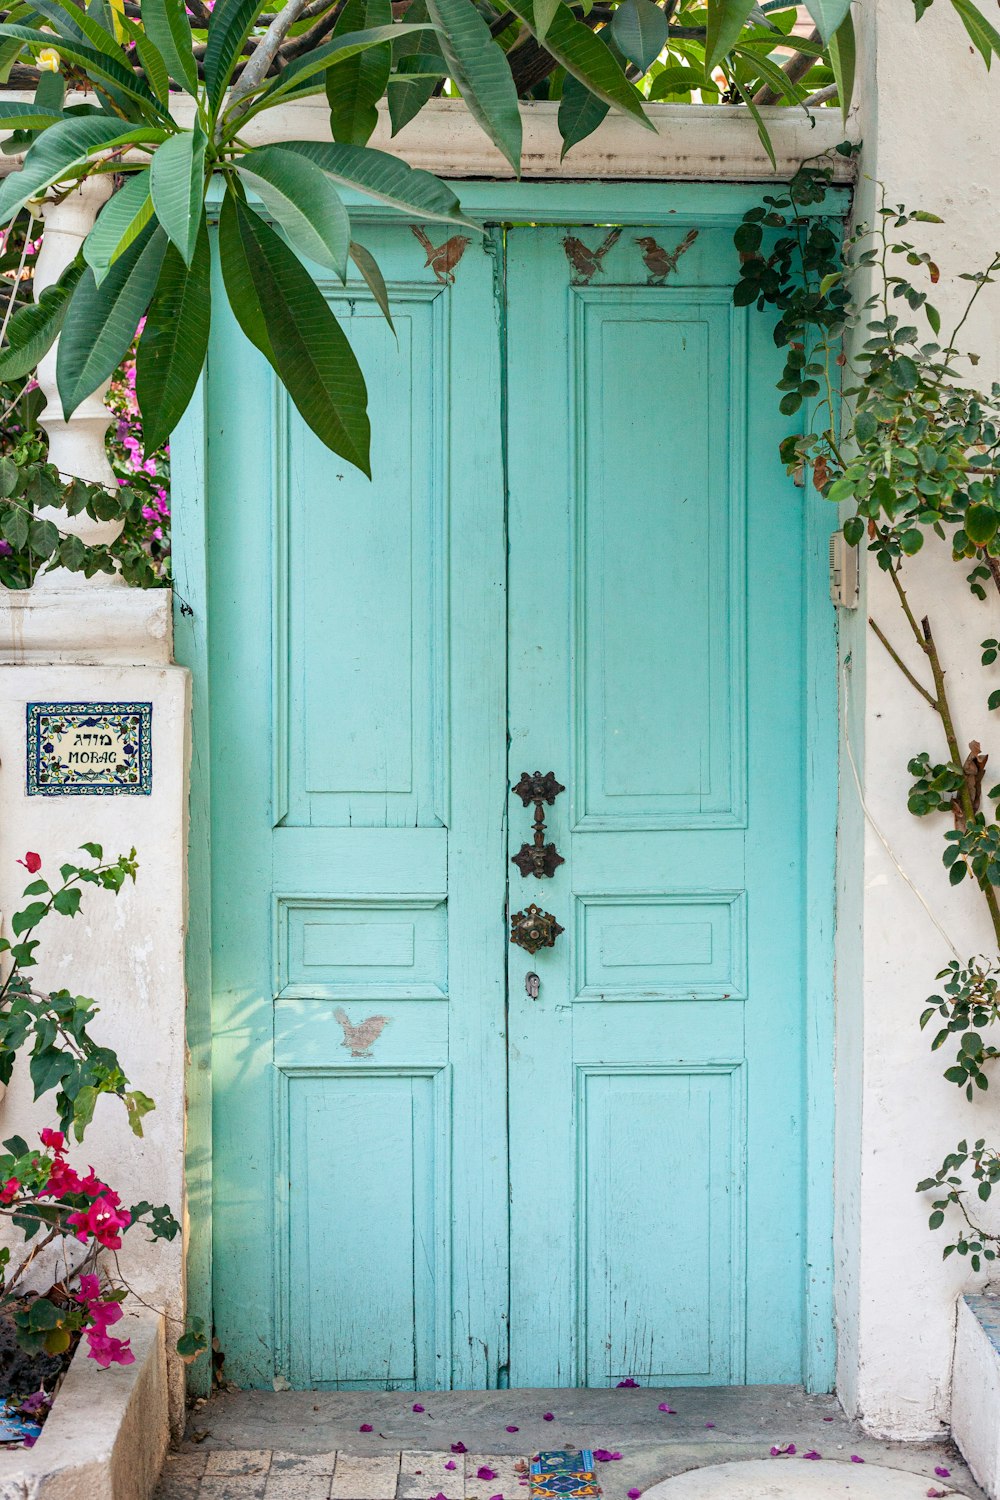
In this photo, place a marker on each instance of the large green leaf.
(174, 342)
(368, 267)
(91, 59)
(418, 66)
(726, 19)
(177, 183)
(75, 24)
(58, 151)
(297, 74)
(385, 178)
(101, 321)
(479, 66)
(281, 310)
(32, 331)
(27, 116)
(300, 195)
(639, 29)
(166, 25)
(985, 36)
(828, 15)
(580, 113)
(354, 87)
(776, 78)
(121, 220)
(577, 48)
(843, 59)
(153, 63)
(230, 25)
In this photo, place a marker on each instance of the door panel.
(655, 1082)
(359, 785)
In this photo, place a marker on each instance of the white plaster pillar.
(930, 114)
(68, 639)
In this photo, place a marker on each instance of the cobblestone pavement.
(259, 1474)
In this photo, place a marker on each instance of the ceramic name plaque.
(90, 749)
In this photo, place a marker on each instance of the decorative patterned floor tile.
(564, 1475)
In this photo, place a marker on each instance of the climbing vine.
(908, 446)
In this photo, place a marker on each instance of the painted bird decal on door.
(662, 263)
(443, 259)
(586, 262)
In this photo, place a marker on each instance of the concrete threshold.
(257, 1445)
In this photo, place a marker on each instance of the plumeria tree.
(159, 96)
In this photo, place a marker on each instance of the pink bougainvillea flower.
(459, 1447)
(780, 1449)
(548, 1416)
(634, 1494)
(485, 1472)
(109, 1351)
(511, 1429)
(666, 1408)
(31, 862)
(451, 1464)
(605, 1455)
(812, 1454)
(417, 1406)
(365, 1427)
(628, 1385)
(935, 1495)
(941, 1472)
(10, 1190)
(54, 1139)
(439, 1496)
(855, 1459)
(103, 1219)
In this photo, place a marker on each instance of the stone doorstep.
(975, 1407)
(108, 1431)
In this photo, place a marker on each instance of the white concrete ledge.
(107, 1435)
(975, 1403)
(690, 142)
(116, 625)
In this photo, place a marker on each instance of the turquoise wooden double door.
(578, 554)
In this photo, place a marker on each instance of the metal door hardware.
(533, 928)
(538, 858)
(532, 984)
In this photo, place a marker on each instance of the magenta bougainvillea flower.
(855, 1459)
(31, 862)
(780, 1449)
(634, 1494)
(451, 1464)
(935, 1494)
(605, 1455)
(417, 1406)
(628, 1385)
(941, 1472)
(485, 1472)
(709, 1424)
(548, 1416)
(459, 1448)
(513, 1429)
(365, 1427)
(666, 1408)
(812, 1454)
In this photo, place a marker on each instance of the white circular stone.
(796, 1479)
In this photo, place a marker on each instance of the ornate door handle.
(538, 858)
(533, 929)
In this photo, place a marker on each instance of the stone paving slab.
(760, 1479)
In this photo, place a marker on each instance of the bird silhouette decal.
(586, 262)
(662, 263)
(443, 259)
(360, 1039)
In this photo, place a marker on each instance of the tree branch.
(264, 53)
(900, 663)
(793, 71)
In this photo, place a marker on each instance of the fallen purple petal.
(451, 1464)
(365, 1427)
(459, 1448)
(485, 1472)
(634, 1494)
(935, 1495)
(941, 1472)
(548, 1416)
(812, 1454)
(417, 1406)
(628, 1385)
(603, 1455)
(779, 1450)
(855, 1459)
(829, 1419)
(512, 1429)
(496, 1497)
(665, 1407)
(709, 1424)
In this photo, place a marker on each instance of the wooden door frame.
(716, 205)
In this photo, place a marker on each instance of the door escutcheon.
(538, 858)
(533, 928)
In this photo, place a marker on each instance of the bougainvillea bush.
(59, 1274)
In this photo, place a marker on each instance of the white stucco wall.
(929, 121)
(127, 952)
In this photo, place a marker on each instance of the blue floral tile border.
(89, 749)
